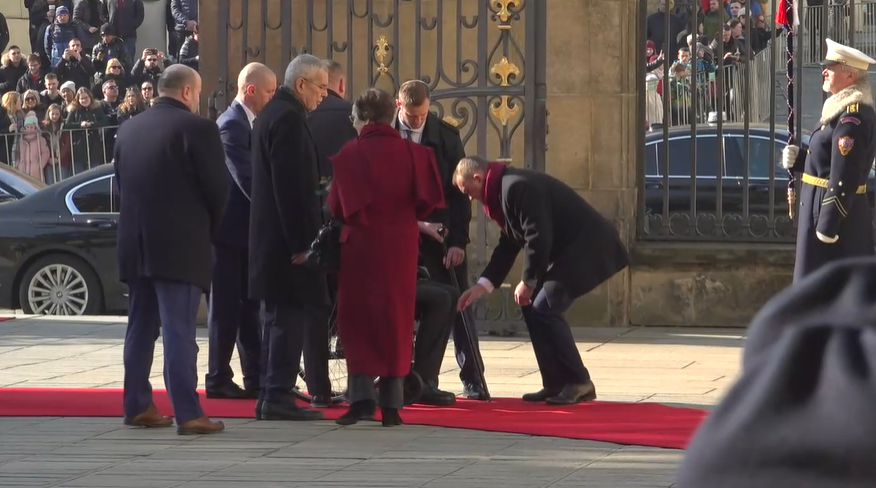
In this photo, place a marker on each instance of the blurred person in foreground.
(233, 316)
(173, 189)
(569, 249)
(285, 218)
(835, 216)
(800, 415)
(383, 185)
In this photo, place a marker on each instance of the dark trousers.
(555, 351)
(233, 318)
(169, 307)
(287, 329)
(432, 257)
(436, 309)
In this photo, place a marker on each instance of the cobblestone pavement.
(674, 366)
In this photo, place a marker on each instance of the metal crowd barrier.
(683, 92)
(53, 156)
(853, 25)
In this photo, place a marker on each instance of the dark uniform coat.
(445, 142)
(173, 188)
(563, 238)
(383, 184)
(832, 200)
(331, 128)
(285, 213)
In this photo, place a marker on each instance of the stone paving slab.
(691, 367)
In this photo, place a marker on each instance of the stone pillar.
(592, 140)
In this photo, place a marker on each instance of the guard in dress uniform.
(835, 220)
(801, 413)
(417, 124)
(569, 249)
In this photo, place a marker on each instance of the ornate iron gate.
(484, 61)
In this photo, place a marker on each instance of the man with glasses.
(149, 67)
(285, 217)
(33, 78)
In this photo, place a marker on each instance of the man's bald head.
(256, 84)
(182, 84)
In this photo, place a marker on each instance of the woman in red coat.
(382, 186)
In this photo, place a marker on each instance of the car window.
(679, 156)
(759, 156)
(651, 159)
(94, 197)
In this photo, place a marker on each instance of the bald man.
(233, 317)
(173, 189)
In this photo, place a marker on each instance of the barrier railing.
(51, 156)
(683, 92)
(852, 25)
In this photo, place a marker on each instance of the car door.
(94, 210)
(759, 179)
(681, 182)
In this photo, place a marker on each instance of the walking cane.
(475, 351)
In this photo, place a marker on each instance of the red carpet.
(643, 424)
(4, 319)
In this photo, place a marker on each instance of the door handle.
(759, 188)
(102, 224)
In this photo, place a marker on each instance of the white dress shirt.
(249, 115)
(415, 135)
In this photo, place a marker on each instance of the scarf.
(493, 193)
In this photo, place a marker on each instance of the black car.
(15, 185)
(678, 186)
(58, 248)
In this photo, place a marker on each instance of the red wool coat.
(382, 186)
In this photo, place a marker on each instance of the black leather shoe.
(231, 391)
(361, 410)
(434, 396)
(284, 411)
(390, 417)
(573, 394)
(541, 395)
(473, 391)
(321, 401)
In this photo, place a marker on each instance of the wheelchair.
(413, 383)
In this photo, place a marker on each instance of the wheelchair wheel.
(337, 367)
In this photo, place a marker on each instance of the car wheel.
(60, 284)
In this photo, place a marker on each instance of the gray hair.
(303, 66)
(469, 166)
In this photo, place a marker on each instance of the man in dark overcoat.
(330, 123)
(173, 189)
(233, 316)
(800, 414)
(285, 217)
(835, 216)
(568, 250)
(416, 123)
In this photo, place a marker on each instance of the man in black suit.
(285, 217)
(173, 190)
(233, 316)
(330, 123)
(568, 250)
(416, 123)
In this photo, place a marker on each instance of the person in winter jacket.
(33, 77)
(32, 152)
(60, 145)
(59, 35)
(12, 68)
(111, 46)
(86, 117)
(75, 66)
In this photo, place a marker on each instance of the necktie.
(409, 135)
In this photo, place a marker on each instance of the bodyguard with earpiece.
(835, 220)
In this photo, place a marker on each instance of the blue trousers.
(170, 309)
(233, 318)
(557, 355)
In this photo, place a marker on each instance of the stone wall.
(17, 18)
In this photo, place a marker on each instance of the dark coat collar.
(171, 102)
(431, 131)
(286, 96)
(335, 94)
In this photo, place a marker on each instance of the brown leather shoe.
(201, 425)
(150, 418)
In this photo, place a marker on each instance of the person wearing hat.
(59, 35)
(111, 46)
(834, 216)
(801, 413)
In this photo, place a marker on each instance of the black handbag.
(325, 251)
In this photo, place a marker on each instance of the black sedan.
(15, 185)
(58, 247)
(674, 180)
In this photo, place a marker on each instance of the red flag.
(782, 13)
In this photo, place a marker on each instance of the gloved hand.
(789, 156)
